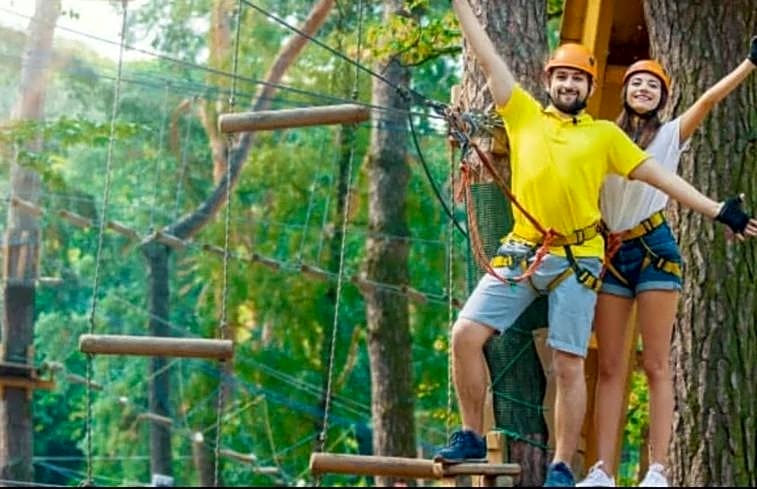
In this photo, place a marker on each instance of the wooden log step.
(321, 463)
(336, 463)
(287, 118)
(156, 346)
(75, 219)
(481, 469)
(27, 206)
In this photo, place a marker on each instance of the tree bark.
(160, 377)
(389, 339)
(22, 240)
(714, 343)
(518, 29)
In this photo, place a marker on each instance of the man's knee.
(567, 367)
(467, 334)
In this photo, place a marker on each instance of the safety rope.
(548, 235)
(100, 235)
(450, 288)
(222, 327)
(321, 440)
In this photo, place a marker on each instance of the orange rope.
(478, 250)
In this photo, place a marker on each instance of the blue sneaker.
(559, 475)
(464, 446)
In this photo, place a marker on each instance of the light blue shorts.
(570, 304)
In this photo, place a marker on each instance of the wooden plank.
(156, 418)
(596, 36)
(78, 379)
(415, 468)
(29, 207)
(249, 458)
(483, 468)
(122, 229)
(288, 118)
(169, 240)
(156, 346)
(321, 463)
(50, 281)
(26, 383)
(75, 219)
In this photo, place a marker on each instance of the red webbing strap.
(508, 193)
(613, 242)
(477, 246)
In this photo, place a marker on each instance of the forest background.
(161, 160)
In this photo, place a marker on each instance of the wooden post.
(20, 268)
(287, 118)
(202, 460)
(155, 346)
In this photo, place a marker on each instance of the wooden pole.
(203, 460)
(122, 229)
(415, 468)
(288, 118)
(156, 346)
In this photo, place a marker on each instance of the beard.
(573, 108)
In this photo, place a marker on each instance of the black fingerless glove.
(753, 51)
(732, 216)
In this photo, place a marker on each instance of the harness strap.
(651, 258)
(584, 276)
(644, 227)
(577, 237)
(550, 236)
(659, 262)
(614, 271)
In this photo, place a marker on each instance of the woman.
(646, 267)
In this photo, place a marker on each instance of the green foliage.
(635, 431)
(416, 35)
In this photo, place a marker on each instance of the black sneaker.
(464, 446)
(559, 475)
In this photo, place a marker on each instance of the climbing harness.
(461, 128)
(615, 240)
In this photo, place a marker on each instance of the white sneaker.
(597, 477)
(655, 477)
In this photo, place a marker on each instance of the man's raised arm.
(498, 75)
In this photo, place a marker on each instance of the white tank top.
(625, 203)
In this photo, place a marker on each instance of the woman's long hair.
(642, 128)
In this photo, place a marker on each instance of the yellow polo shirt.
(558, 165)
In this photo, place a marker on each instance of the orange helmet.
(572, 55)
(648, 66)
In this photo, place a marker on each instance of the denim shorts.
(629, 259)
(570, 305)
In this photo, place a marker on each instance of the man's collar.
(582, 116)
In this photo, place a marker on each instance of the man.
(559, 159)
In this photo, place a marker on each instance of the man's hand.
(753, 51)
(732, 215)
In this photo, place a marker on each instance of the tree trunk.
(714, 344)
(160, 377)
(22, 240)
(389, 340)
(518, 29)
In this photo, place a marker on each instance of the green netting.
(518, 381)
